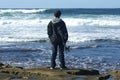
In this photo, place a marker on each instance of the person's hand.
(63, 43)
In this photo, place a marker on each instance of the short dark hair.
(57, 13)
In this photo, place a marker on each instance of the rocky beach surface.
(8, 72)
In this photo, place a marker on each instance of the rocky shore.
(8, 72)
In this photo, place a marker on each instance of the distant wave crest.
(23, 40)
(22, 10)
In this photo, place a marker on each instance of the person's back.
(58, 36)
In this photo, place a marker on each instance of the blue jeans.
(55, 47)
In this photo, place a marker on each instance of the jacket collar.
(56, 20)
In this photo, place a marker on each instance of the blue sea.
(94, 38)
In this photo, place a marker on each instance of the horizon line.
(58, 8)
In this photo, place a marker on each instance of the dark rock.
(104, 77)
(1, 64)
(18, 67)
(5, 72)
(85, 72)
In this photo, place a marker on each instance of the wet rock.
(1, 64)
(84, 72)
(4, 66)
(44, 73)
(18, 67)
(104, 77)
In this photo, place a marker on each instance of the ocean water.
(94, 38)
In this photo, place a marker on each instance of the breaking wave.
(92, 21)
(17, 25)
(22, 10)
(69, 22)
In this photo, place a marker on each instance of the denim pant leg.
(61, 55)
(54, 54)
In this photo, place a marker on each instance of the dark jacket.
(59, 27)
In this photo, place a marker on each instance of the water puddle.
(111, 78)
(15, 79)
(67, 77)
(79, 79)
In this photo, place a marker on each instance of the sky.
(59, 3)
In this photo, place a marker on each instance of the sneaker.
(63, 68)
(52, 68)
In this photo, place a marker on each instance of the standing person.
(58, 35)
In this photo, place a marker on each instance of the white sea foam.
(80, 29)
(34, 22)
(71, 22)
(22, 10)
(91, 22)
(82, 37)
(33, 30)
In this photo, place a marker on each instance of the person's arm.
(65, 33)
(49, 29)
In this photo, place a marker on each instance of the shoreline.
(8, 72)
